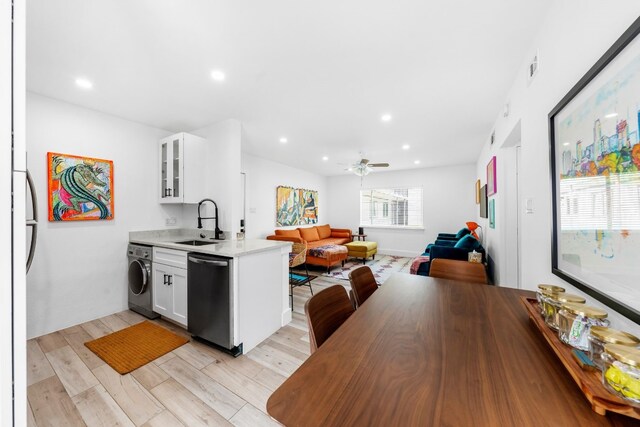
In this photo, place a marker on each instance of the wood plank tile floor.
(194, 385)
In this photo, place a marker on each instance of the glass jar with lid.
(621, 372)
(544, 289)
(575, 322)
(553, 302)
(600, 335)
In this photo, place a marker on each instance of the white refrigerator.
(13, 408)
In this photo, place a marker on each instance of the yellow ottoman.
(362, 250)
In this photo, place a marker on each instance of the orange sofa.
(317, 236)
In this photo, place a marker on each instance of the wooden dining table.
(432, 352)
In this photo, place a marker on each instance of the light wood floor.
(194, 385)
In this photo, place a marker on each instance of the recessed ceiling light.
(566, 144)
(283, 140)
(385, 117)
(217, 75)
(416, 162)
(325, 158)
(406, 146)
(84, 83)
(610, 115)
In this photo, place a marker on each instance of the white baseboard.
(396, 252)
(287, 317)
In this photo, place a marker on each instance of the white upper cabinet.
(182, 169)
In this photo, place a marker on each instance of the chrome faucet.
(217, 230)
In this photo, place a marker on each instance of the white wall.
(449, 202)
(223, 174)
(263, 176)
(575, 34)
(80, 268)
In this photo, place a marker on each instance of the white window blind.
(391, 207)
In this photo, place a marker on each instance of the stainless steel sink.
(196, 242)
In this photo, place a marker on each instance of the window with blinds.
(391, 207)
(601, 202)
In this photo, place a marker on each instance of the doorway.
(512, 211)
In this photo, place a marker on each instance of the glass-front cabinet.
(171, 169)
(182, 155)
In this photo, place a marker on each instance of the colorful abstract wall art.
(492, 213)
(483, 201)
(595, 163)
(80, 188)
(296, 206)
(491, 177)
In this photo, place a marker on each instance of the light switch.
(252, 210)
(528, 205)
(171, 221)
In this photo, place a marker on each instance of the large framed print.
(594, 135)
(296, 206)
(79, 188)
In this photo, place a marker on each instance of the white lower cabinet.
(170, 288)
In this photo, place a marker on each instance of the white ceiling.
(319, 73)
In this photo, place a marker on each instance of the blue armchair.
(458, 250)
(455, 237)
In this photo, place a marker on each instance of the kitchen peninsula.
(258, 288)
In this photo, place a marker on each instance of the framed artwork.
(483, 201)
(79, 188)
(296, 206)
(477, 192)
(492, 213)
(595, 169)
(491, 177)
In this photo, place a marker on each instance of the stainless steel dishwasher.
(210, 300)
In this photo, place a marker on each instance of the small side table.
(360, 237)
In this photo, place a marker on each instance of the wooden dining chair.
(453, 269)
(326, 311)
(363, 284)
(352, 298)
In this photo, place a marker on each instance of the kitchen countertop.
(225, 248)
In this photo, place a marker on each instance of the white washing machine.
(140, 280)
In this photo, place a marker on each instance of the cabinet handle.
(166, 278)
(169, 190)
(170, 280)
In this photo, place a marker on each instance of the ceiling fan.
(363, 167)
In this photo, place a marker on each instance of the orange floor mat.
(135, 346)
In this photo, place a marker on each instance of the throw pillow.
(324, 231)
(468, 242)
(463, 232)
(309, 234)
(288, 233)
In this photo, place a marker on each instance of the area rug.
(137, 345)
(382, 267)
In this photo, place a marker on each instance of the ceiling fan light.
(361, 169)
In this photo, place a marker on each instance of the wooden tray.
(590, 382)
